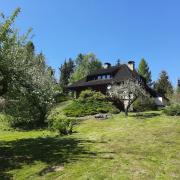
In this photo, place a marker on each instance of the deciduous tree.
(25, 79)
(85, 64)
(127, 92)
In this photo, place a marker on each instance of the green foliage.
(175, 98)
(85, 64)
(26, 81)
(90, 103)
(144, 104)
(66, 71)
(5, 121)
(173, 110)
(163, 85)
(58, 122)
(178, 89)
(144, 71)
(63, 125)
(89, 95)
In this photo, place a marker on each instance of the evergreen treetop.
(144, 71)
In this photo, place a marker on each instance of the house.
(104, 77)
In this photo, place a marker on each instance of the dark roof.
(102, 71)
(119, 73)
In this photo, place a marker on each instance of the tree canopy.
(163, 85)
(144, 71)
(84, 65)
(26, 83)
(66, 71)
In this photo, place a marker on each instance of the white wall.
(160, 101)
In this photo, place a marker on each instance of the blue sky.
(112, 29)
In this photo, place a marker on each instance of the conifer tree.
(118, 62)
(66, 71)
(163, 85)
(144, 71)
(178, 88)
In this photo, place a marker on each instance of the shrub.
(173, 110)
(91, 96)
(58, 122)
(63, 125)
(90, 103)
(5, 121)
(146, 104)
(25, 115)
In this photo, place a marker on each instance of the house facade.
(103, 78)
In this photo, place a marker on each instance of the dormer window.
(108, 76)
(99, 77)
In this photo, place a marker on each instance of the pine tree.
(144, 71)
(66, 71)
(178, 88)
(163, 86)
(118, 62)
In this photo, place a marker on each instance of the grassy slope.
(142, 147)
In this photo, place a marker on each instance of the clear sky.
(112, 29)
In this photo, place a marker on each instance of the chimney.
(131, 65)
(106, 65)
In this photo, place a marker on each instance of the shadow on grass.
(145, 115)
(52, 151)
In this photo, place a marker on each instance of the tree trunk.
(126, 112)
(129, 105)
(127, 109)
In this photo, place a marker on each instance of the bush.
(25, 115)
(173, 110)
(5, 121)
(58, 122)
(63, 125)
(146, 104)
(90, 103)
(89, 95)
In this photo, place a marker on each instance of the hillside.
(144, 146)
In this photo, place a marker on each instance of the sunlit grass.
(143, 146)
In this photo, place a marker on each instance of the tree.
(178, 87)
(84, 65)
(66, 71)
(5, 28)
(127, 92)
(163, 86)
(144, 71)
(26, 83)
(30, 48)
(118, 62)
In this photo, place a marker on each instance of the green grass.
(144, 146)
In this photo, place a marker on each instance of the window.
(99, 77)
(104, 77)
(107, 76)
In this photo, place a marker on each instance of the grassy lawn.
(138, 147)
